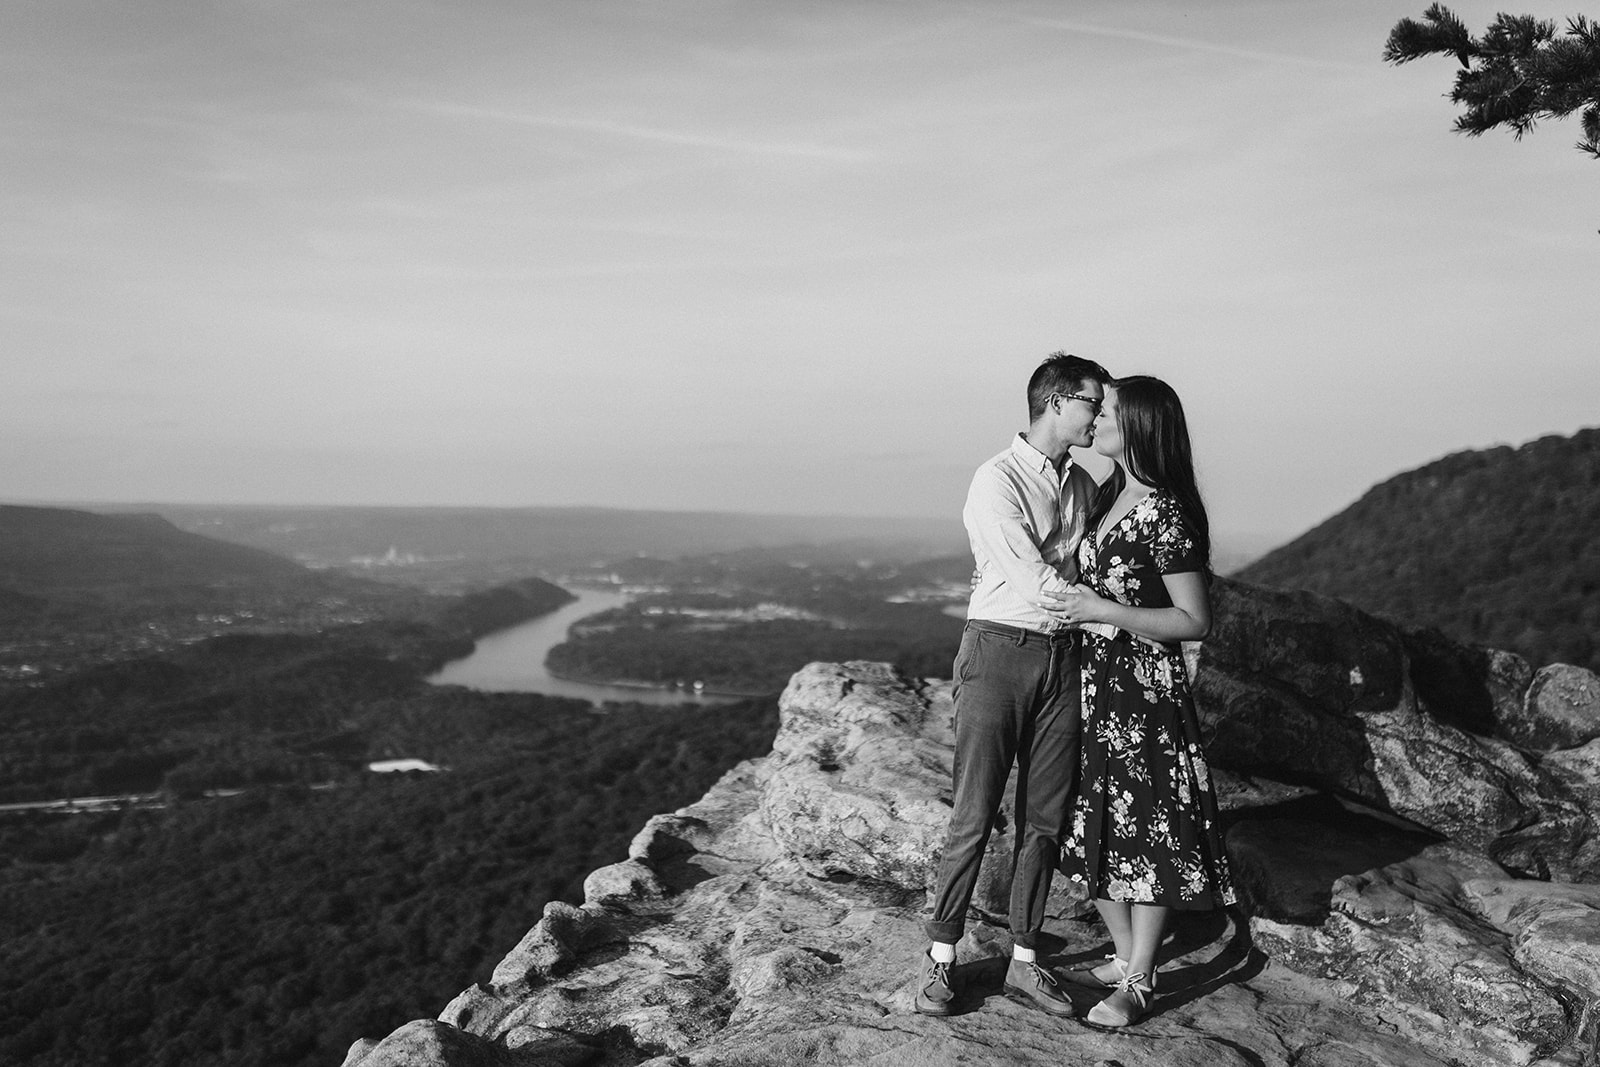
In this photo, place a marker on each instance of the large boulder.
(1577, 770)
(1409, 932)
(1553, 928)
(859, 782)
(1479, 690)
(1306, 689)
(1561, 710)
(858, 786)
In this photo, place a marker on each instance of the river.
(512, 660)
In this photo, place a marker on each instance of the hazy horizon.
(1255, 535)
(759, 258)
(1233, 547)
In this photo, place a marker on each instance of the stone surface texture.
(1302, 688)
(1562, 708)
(1379, 818)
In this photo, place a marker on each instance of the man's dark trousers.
(1018, 699)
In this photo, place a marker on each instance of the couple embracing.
(1070, 667)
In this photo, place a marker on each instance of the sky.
(793, 257)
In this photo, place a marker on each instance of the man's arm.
(1000, 530)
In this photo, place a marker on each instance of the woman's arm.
(1189, 618)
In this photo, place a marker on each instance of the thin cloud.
(1186, 43)
(653, 134)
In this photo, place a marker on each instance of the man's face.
(1075, 412)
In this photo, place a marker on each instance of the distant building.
(389, 766)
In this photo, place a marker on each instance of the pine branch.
(1516, 36)
(1591, 132)
(1588, 32)
(1518, 74)
(1444, 34)
(1569, 72)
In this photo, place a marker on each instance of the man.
(1016, 676)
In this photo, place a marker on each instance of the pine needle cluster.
(1519, 72)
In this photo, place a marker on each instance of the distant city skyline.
(782, 258)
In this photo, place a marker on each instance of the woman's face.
(1107, 434)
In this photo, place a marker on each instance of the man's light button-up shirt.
(1025, 520)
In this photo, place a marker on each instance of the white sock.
(1026, 955)
(942, 952)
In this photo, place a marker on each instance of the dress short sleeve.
(1177, 545)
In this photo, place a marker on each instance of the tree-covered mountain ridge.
(78, 588)
(1495, 546)
(48, 551)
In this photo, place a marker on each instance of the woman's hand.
(1080, 604)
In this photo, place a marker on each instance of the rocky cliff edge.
(1412, 823)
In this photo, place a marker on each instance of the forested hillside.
(324, 901)
(246, 708)
(1497, 547)
(77, 587)
(62, 550)
(275, 927)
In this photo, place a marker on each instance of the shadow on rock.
(1186, 973)
(977, 982)
(1237, 961)
(1287, 856)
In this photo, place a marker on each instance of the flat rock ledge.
(779, 921)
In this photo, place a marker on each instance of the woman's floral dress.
(1144, 822)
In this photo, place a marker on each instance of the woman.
(1144, 822)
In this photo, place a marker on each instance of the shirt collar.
(1036, 460)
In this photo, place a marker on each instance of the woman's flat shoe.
(1086, 976)
(1126, 1005)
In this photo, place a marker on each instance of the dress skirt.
(1144, 826)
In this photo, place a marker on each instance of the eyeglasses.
(1093, 402)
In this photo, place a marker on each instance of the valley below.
(216, 710)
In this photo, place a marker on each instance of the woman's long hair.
(1155, 438)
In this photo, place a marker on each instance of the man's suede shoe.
(934, 993)
(1031, 982)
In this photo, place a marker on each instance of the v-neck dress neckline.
(1102, 531)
